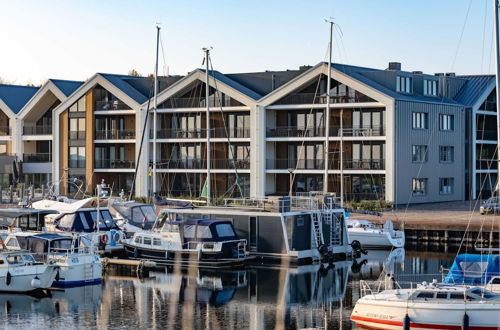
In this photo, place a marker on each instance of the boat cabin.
(137, 214)
(43, 243)
(27, 219)
(84, 220)
(453, 295)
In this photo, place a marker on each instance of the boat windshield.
(144, 216)
(15, 259)
(225, 230)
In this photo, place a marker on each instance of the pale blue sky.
(74, 39)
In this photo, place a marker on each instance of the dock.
(445, 223)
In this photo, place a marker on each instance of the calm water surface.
(256, 298)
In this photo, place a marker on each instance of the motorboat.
(78, 262)
(376, 236)
(19, 272)
(428, 306)
(194, 240)
(133, 217)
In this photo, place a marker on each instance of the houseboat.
(300, 230)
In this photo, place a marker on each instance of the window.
(204, 232)
(420, 120)
(12, 243)
(224, 230)
(446, 186)
(430, 87)
(78, 106)
(404, 84)
(446, 122)
(419, 154)
(77, 157)
(441, 295)
(446, 154)
(425, 295)
(147, 241)
(419, 187)
(156, 241)
(138, 240)
(77, 128)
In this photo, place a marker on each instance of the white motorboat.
(79, 264)
(19, 272)
(372, 235)
(428, 306)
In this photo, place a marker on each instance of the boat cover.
(473, 269)
(157, 200)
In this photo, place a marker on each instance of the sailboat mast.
(155, 104)
(327, 112)
(207, 100)
(497, 62)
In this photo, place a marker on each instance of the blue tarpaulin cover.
(473, 269)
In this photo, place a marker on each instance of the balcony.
(197, 163)
(37, 158)
(37, 130)
(486, 135)
(362, 164)
(313, 98)
(4, 131)
(488, 106)
(232, 132)
(110, 105)
(114, 164)
(486, 164)
(362, 131)
(115, 135)
(240, 164)
(285, 131)
(199, 102)
(168, 133)
(77, 135)
(301, 164)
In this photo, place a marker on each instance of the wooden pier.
(443, 223)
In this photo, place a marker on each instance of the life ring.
(104, 239)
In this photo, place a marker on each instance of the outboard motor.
(357, 249)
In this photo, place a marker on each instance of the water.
(256, 298)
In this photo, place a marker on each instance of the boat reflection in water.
(371, 266)
(256, 298)
(70, 306)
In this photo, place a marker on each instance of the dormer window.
(430, 87)
(404, 84)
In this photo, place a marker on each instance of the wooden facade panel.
(63, 150)
(89, 141)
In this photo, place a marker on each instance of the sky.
(74, 39)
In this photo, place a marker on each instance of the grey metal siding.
(433, 137)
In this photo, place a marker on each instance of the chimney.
(417, 72)
(304, 67)
(394, 66)
(439, 74)
(450, 74)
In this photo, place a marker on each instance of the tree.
(134, 73)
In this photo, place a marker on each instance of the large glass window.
(77, 157)
(419, 187)
(77, 128)
(225, 230)
(404, 84)
(238, 126)
(419, 154)
(104, 100)
(78, 106)
(430, 87)
(420, 120)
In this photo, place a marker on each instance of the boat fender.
(323, 249)
(167, 255)
(57, 276)
(406, 322)
(8, 278)
(465, 322)
(356, 246)
(136, 253)
(35, 282)
(112, 236)
(200, 255)
(104, 239)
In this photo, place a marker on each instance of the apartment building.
(406, 137)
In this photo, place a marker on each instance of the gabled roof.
(15, 96)
(474, 88)
(67, 87)
(126, 85)
(233, 84)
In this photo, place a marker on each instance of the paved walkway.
(442, 216)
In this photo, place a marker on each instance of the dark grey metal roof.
(234, 84)
(67, 86)
(16, 96)
(265, 82)
(474, 88)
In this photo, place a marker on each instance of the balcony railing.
(114, 164)
(4, 130)
(115, 135)
(362, 164)
(77, 135)
(200, 133)
(301, 164)
(357, 131)
(37, 130)
(285, 131)
(486, 135)
(312, 98)
(110, 105)
(197, 163)
(37, 158)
